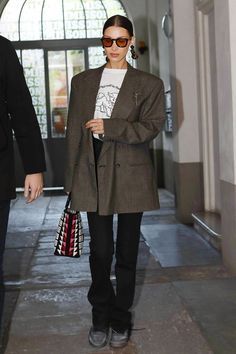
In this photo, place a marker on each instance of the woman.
(114, 112)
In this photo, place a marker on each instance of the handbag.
(70, 236)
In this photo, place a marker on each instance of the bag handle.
(68, 201)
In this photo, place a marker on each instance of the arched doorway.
(55, 39)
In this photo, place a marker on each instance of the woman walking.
(114, 113)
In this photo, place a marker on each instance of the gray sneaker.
(119, 339)
(98, 338)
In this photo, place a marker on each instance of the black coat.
(17, 114)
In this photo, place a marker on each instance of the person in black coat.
(16, 114)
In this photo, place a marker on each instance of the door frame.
(204, 8)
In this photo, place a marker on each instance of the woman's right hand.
(96, 126)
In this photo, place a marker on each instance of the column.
(186, 149)
(225, 27)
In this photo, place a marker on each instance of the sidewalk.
(185, 300)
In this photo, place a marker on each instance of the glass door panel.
(58, 92)
(62, 66)
(75, 63)
(33, 63)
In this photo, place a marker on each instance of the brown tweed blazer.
(126, 181)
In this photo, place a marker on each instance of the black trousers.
(110, 307)
(4, 214)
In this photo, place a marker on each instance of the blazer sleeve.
(23, 118)
(147, 127)
(73, 136)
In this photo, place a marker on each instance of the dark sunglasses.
(120, 42)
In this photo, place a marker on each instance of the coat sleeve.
(146, 127)
(23, 118)
(73, 136)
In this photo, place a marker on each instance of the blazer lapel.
(126, 100)
(91, 90)
(90, 96)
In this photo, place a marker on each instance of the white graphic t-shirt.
(109, 88)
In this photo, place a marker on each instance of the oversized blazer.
(125, 174)
(17, 114)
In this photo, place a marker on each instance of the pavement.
(185, 300)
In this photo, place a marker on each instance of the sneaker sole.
(118, 345)
(97, 346)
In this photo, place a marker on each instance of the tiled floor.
(185, 299)
(175, 245)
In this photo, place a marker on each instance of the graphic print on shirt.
(106, 99)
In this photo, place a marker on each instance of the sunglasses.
(120, 42)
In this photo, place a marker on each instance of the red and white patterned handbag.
(70, 236)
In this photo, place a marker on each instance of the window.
(56, 39)
(56, 19)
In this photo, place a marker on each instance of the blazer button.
(117, 165)
(100, 166)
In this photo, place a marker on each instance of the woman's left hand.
(33, 186)
(95, 125)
